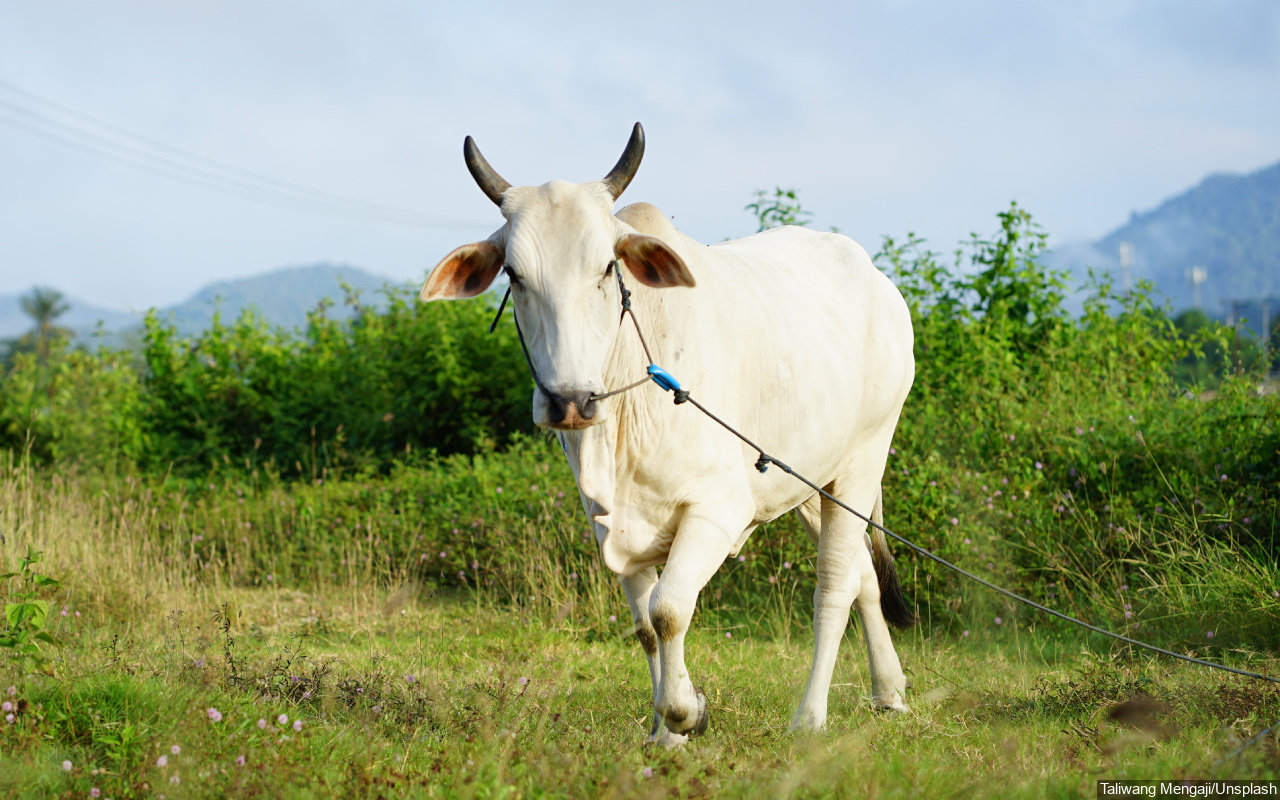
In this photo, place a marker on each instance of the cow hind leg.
(846, 573)
(877, 608)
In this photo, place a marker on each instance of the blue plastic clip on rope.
(663, 378)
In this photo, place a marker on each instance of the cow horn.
(491, 183)
(622, 173)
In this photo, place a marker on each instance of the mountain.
(283, 297)
(1215, 246)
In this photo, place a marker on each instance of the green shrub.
(412, 378)
(1061, 455)
(74, 408)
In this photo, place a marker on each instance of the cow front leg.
(699, 549)
(638, 588)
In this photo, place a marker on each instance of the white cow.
(791, 336)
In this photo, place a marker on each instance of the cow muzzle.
(571, 411)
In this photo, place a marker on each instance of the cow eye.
(511, 275)
(608, 270)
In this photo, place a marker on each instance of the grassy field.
(339, 562)
(177, 675)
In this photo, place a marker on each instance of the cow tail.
(892, 603)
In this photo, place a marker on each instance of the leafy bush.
(73, 408)
(1062, 453)
(415, 377)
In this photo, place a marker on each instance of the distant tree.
(1192, 320)
(782, 208)
(1216, 349)
(44, 306)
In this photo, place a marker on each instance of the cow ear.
(466, 272)
(652, 261)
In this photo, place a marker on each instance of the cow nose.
(572, 409)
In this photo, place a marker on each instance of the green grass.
(438, 696)
(259, 597)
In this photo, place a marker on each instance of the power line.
(68, 127)
(195, 159)
(193, 179)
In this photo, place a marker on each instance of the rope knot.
(762, 463)
(622, 287)
(681, 396)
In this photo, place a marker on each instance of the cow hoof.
(666, 739)
(809, 721)
(704, 714)
(687, 721)
(896, 706)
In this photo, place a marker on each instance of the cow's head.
(559, 247)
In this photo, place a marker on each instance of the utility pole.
(1196, 276)
(1235, 313)
(1126, 261)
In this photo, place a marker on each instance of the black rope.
(533, 372)
(763, 462)
(494, 325)
(626, 311)
(1252, 739)
(626, 388)
(1015, 596)
(625, 293)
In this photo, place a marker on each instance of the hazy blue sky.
(887, 116)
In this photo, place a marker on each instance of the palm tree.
(44, 306)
